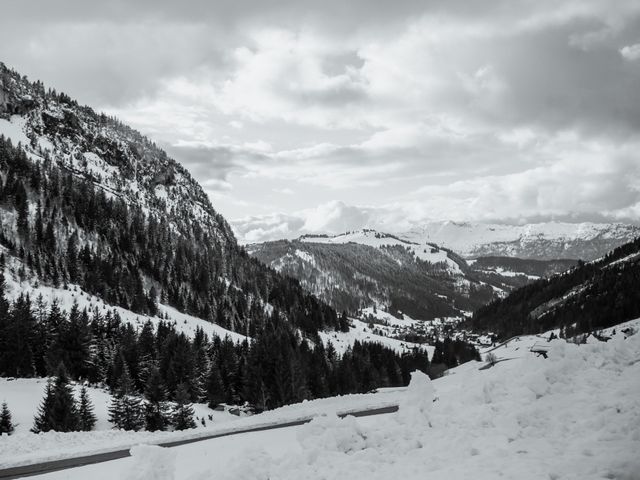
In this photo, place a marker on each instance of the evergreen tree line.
(278, 367)
(61, 412)
(67, 230)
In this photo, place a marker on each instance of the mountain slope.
(85, 199)
(541, 241)
(91, 208)
(590, 296)
(366, 268)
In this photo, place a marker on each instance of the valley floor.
(574, 415)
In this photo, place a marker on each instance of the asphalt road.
(55, 465)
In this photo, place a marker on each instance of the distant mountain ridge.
(538, 241)
(366, 268)
(351, 276)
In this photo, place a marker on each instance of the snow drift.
(575, 415)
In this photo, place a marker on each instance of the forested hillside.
(351, 276)
(86, 200)
(590, 296)
(362, 269)
(276, 368)
(88, 203)
(510, 273)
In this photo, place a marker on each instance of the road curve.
(64, 464)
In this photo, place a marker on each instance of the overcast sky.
(332, 115)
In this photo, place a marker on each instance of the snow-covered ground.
(361, 332)
(380, 315)
(13, 129)
(519, 346)
(575, 415)
(23, 396)
(508, 273)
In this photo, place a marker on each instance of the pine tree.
(21, 202)
(183, 414)
(42, 421)
(125, 411)
(343, 323)
(58, 410)
(6, 425)
(72, 258)
(19, 331)
(64, 411)
(156, 411)
(87, 419)
(215, 389)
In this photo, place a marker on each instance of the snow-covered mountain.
(87, 200)
(421, 250)
(366, 268)
(440, 268)
(542, 241)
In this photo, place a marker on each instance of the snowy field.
(574, 415)
(24, 395)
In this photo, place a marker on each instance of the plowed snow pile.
(575, 415)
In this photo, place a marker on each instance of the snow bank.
(575, 415)
(418, 398)
(151, 462)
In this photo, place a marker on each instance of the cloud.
(631, 52)
(580, 187)
(211, 165)
(403, 111)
